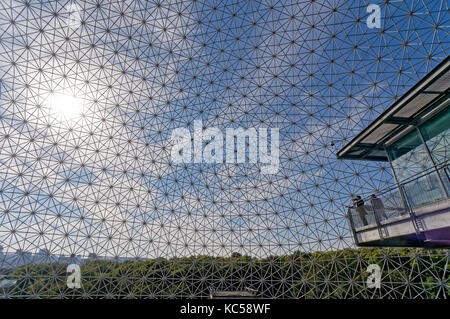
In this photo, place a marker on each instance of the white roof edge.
(430, 77)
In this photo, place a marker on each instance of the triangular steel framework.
(101, 182)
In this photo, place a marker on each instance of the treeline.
(405, 273)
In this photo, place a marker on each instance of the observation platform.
(413, 135)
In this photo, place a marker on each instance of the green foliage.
(332, 274)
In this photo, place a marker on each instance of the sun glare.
(65, 106)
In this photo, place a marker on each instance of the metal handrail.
(408, 180)
(406, 202)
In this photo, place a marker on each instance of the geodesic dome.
(91, 91)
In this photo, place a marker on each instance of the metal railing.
(401, 199)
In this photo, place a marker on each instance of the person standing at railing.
(359, 203)
(378, 207)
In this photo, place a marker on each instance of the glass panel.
(362, 215)
(424, 190)
(409, 158)
(386, 205)
(436, 133)
(389, 205)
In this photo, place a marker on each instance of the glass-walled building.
(413, 135)
(425, 149)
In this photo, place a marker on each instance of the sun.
(65, 106)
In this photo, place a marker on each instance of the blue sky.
(317, 74)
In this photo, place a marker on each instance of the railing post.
(412, 215)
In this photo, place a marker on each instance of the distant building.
(23, 257)
(233, 294)
(92, 256)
